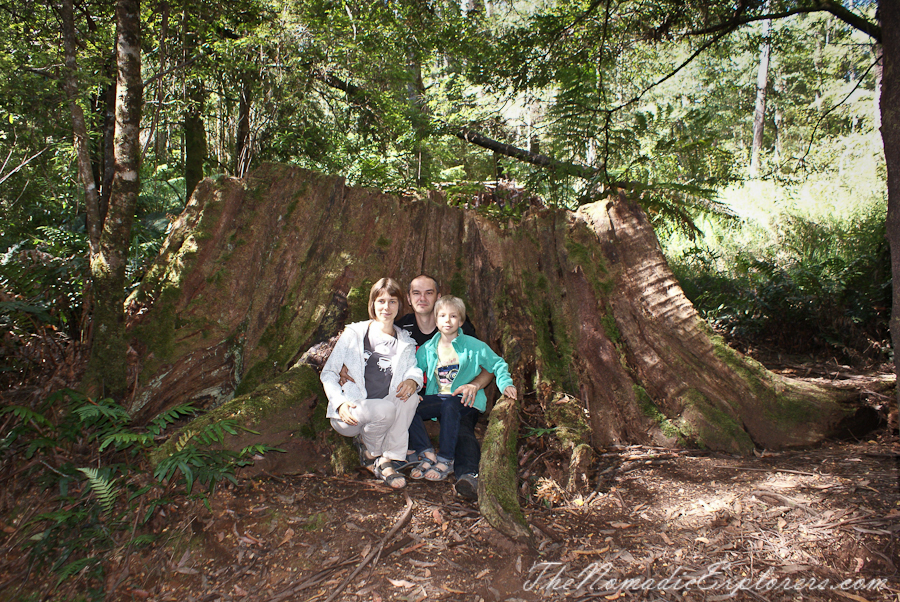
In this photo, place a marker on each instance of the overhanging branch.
(838, 11)
(572, 169)
(359, 97)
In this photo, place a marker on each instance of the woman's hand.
(510, 392)
(406, 388)
(344, 412)
(467, 393)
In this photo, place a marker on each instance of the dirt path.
(655, 524)
(804, 520)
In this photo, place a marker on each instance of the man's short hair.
(385, 285)
(455, 303)
(437, 287)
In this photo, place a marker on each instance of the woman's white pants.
(382, 424)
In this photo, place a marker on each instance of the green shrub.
(805, 285)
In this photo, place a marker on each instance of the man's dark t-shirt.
(409, 324)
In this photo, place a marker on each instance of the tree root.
(497, 491)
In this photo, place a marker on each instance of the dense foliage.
(637, 94)
(645, 96)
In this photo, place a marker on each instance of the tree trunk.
(195, 144)
(108, 167)
(106, 372)
(759, 114)
(195, 148)
(152, 136)
(79, 128)
(497, 490)
(890, 136)
(242, 136)
(582, 305)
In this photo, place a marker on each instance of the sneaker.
(467, 486)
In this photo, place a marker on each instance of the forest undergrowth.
(797, 270)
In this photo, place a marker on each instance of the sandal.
(427, 465)
(364, 458)
(395, 480)
(423, 465)
(442, 473)
(412, 459)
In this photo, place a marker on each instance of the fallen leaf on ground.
(287, 536)
(590, 552)
(401, 583)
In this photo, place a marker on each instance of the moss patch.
(681, 430)
(591, 262)
(504, 489)
(720, 431)
(458, 286)
(358, 301)
(295, 385)
(566, 413)
(554, 347)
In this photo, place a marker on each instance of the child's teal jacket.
(473, 356)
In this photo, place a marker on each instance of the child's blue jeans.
(449, 410)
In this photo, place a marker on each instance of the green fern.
(124, 440)
(105, 408)
(75, 567)
(163, 420)
(103, 487)
(26, 415)
(215, 432)
(212, 433)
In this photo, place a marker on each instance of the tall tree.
(195, 143)
(79, 127)
(759, 113)
(107, 366)
(890, 134)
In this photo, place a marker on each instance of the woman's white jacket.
(348, 351)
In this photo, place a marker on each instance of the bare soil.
(779, 526)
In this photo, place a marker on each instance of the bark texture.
(890, 134)
(254, 274)
(582, 306)
(106, 372)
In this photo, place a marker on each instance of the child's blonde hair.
(454, 303)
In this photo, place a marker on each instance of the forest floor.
(658, 524)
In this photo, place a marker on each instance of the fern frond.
(186, 436)
(26, 415)
(163, 420)
(124, 440)
(75, 567)
(103, 487)
(105, 408)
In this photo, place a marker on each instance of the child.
(450, 361)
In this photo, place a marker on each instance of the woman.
(378, 412)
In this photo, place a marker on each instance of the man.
(421, 325)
